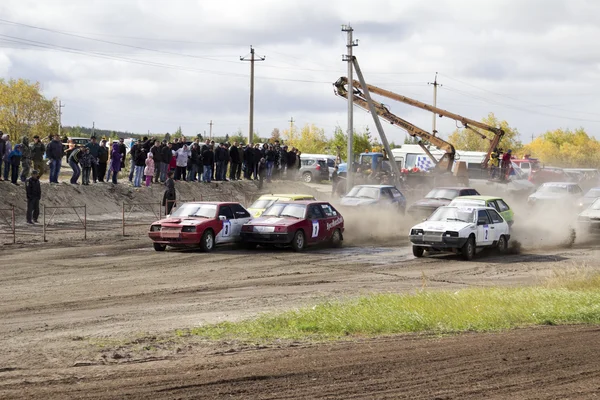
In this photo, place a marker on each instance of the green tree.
(361, 142)
(466, 139)
(178, 133)
(309, 139)
(24, 111)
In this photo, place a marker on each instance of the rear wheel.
(307, 177)
(336, 238)
(468, 250)
(207, 243)
(418, 251)
(298, 242)
(502, 244)
(160, 247)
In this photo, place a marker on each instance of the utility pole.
(252, 60)
(435, 86)
(210, 131)
(60, 107)
(291, 121)
(349, 58)
(93, 128)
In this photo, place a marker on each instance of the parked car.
(588, 198)
(200, 224)
(438, 197)
(296, 224)
(556, 192)
(266, 200)
(589, 219)
(330, 159)
(496, 203)
(460, 229)
(375, 195)
(313, 169)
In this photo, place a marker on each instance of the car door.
(332, 220)
(485, 230)
(227, 218)
(242, 216)
(317, 220)
(499, 226)
(504, 210)
(386, 196)
(398, 197)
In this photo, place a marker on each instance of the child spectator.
(149, 170)
(14, 159)
(115, 162)
(87, 161)
(34, 194)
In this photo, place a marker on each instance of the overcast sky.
(156, 65)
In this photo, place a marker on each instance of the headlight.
(416, 231)
(154, 228)
(188, 229)
(281, 229)
(450, 234)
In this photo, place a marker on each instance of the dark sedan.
(438, 197)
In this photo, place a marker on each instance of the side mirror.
(222, 218)
(481, 222)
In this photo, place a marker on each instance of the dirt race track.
(97, 321)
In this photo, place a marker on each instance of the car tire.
(502, 245)
(418, 251)
(336, 238)
(160, 247)
(207, 243)
(307, 177)
(299, 241)
(468, 250)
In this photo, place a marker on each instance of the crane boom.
(467, 122)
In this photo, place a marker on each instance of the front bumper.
(444, 242)
(182, 239)
(267, 238)
(592, 226)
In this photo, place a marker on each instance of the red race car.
(297, 224)
(200, 224)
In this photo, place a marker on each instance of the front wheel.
(502, 244)
(468, 250)
(298, 241)
(207, 243)
(336, 238)
(160, 247)
(418, 251)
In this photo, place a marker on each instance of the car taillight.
(280, 229)
(318, 167)
(246, 228)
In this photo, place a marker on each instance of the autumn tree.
(566, 148)
(361, 141)
(275, 135)
(466, 139)
(178, 134)
(309, 139)
(24, 111)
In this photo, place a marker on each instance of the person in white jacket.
(182, 154)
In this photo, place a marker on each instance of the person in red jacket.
(506, 164)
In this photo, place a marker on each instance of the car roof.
(473, 207)
(290, 195)
(303, 202)
(484, 198)
(560, 184)
(219, 203)
(376, 186)
(453, 187)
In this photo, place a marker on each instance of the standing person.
(7, 150)
(149, 170)
(236, 163)
(102, 160)
(54, 154)
(271, 156)
(156, 151)
(506, 165)
(140, 164)
(240, 149)
(262, 168)
(133, 156)
(25, 159)
(494, 163)
(74, 158)
(170, 195)
(87, 161)
(2, 151)
(193, 162)
(256, 160)
(37, 155)
(165, 160)
(291, 163)
(220, 161)
(116, 162)
(123, 152)
(182, 154)
(283, 156)
(94, 147)
(14, 159)
(33, 190)
(207, 163)
(334, 180)
(249, 161)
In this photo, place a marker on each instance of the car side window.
(396, 193)
(496, 218)
(226, 212)
(482, 218)
(502, 206)
(239, 211)
(314, 212)
(386, 193)
(492, 204)
(327, 210)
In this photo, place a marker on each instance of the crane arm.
(413, 130)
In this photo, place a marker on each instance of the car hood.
(589, 213)
(443, 226)
(431, 203)
(357, 201)
(549, 196)
(586, 201)
(182, 221)
(274, 221)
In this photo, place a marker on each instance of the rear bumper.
(445, 243)
(273, 238)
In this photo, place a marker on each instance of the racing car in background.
(460, 229)
(266, 200)
(437, 197)
(374, 195)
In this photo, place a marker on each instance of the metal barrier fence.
(129, 208)
(48, 221)
(10, 224)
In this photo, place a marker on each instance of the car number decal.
(226, 228)
(315, 230)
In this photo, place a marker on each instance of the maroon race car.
(297, 224)
(200, 224)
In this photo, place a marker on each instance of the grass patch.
(563, 299)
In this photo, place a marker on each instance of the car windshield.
(285, 210)
(364, 192)
(453, 214)
(196, 210)
(262, 204)
(593, 193)
(447, 194)
(596, 205)
(471, 202)
(552, 189)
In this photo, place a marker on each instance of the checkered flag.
(424, 163)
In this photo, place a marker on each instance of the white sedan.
(461, 230)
